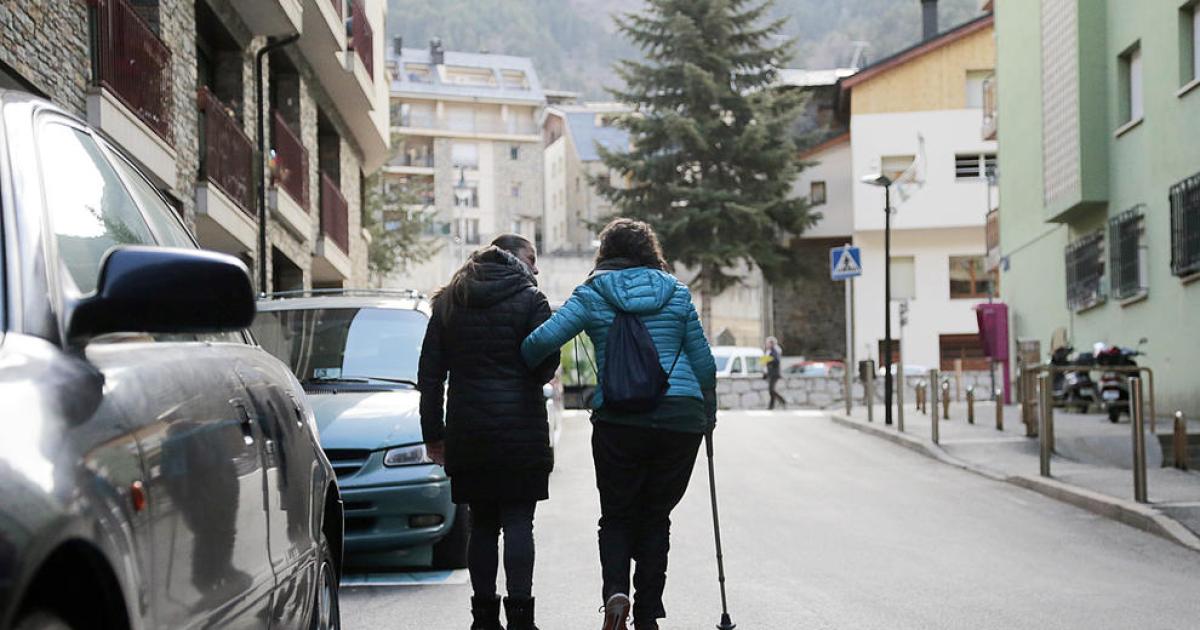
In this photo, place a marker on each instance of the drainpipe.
(259, 164)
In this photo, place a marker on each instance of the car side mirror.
(165, 290)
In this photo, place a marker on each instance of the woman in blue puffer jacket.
(643, 459)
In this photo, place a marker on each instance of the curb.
(1138, 515)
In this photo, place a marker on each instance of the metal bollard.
(933, 395)
(1046, 396)
(1181, 441)
(999, 409)
(971, 405)
(919, 392)
(1139, 439)
(869, 395)
(946, 400)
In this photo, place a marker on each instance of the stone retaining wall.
(823, 392)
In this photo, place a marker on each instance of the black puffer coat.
(495, 430)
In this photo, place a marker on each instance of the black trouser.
(642, 474)
(772, 381)
(483, 555)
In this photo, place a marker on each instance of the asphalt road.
(826, 527)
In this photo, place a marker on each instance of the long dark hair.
(632, 241)
(455, 291)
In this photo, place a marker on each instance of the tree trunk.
(706, 298)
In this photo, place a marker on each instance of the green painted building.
(1098, 117)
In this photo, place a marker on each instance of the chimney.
(929, 19)
(437, 54)
(397, 46)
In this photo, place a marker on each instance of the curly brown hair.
(631, 240)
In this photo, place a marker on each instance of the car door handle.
(245, 420)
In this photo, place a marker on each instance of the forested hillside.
(574, 44)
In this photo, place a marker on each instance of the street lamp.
(879, 179)
(462, 194)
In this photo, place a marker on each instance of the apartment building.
(1099, 220)
(916, 117)
(469, 151)
(172, 82)
(573, 134)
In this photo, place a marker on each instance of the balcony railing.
(291, 162)
(132, 63)
(362, 37)
(991, 109)
(334, 213)
(227, 157)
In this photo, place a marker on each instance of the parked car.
(739, 362)
(356, 354)
(157, 469)
(815, 368)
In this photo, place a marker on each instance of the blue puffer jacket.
(665, 306)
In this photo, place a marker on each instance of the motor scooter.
(1114, 384)
(1072, 389)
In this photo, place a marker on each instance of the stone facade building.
(172, 83)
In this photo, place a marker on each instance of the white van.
(739, 362)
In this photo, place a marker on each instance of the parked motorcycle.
(1114, 384)
(1072, 389)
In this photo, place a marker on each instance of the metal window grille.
(1085, 271)
(1185, 226)
(966, 166)
(1125, 234)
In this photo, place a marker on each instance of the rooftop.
(587, 131)
(919, 49)
(799, 77)
(470, 76)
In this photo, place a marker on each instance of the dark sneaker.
(616, 612)
(486, 613)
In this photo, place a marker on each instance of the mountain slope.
(574, 42)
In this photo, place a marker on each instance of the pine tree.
(712, 161)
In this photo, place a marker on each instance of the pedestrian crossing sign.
(845, 262)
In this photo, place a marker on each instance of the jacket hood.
(367, 420)
(636, 290)
(497, 275)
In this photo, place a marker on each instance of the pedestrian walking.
(655, 401)
(774, 354)
(495, 441)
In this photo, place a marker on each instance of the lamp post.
(879, 179)
(461, 196)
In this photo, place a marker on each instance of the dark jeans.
(483, 555)
(642, 474)
(772, 381)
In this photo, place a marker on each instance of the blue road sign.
(845, 262)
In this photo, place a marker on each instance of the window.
(816, 193)
(514, 79)
(466, 195)
(514, 152)
(974, 86)
(162, 218)
(974, 165)
(1085, 271)
(969, 278)
(1189, 43)
(418, 72)
(1126, 233)
(1185, 226)
(466, 75)
(962, 347)
(893, 166)
(904, 282)
(737, 366)
(90, 209)
(467, 230)
(464, 155)
(1129, 85)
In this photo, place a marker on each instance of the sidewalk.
(1091, 466)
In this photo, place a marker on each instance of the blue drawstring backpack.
(634, 380)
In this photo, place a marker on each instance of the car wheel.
(1114, 415)
(42, 620)
(451, 551)
(326, 608)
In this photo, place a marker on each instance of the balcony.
(131, 97)
(991, 109)
(289, 195)
(362, 38)
(331, 262)
(272, 17)
(225, 197)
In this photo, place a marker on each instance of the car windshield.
(345, 343)
(722, 361)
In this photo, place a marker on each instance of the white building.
(470, 151)
(924, 105)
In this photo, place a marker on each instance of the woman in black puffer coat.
(495, 441)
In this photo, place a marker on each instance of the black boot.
(519, 613)
(486, 613)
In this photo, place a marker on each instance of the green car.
(356, 354)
